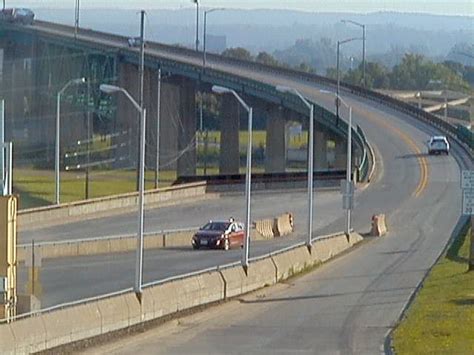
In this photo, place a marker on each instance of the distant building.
(216, 44)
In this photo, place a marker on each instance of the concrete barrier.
(265, 227)
(259, 274)
(165, 299)
(71, 324)
(284, 224)
(292, 262)
(113, 313)
(212, 287)
(355, 238)
(108, 205)
(51, 250)
(30, 335)
(321, 250)
(379, 228)
(7, 340)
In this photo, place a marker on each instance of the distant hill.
(271, 30)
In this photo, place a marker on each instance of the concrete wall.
(107, 205)
(62, 326)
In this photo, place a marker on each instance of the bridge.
(349, 305)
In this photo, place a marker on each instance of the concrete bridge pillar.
(275, 157)
(177, 119)
(340, 153)
(229, 159)
(127, 115)
(186, 108)
(320, 151)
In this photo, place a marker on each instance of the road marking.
(422, 162)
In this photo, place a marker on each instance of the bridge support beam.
(320, 151)
(229, 158)
(177, 119)
(275, 157)
(340, 153)
(186, 109)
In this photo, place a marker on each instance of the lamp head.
(220, 89)
(109, 89)
(79, 81)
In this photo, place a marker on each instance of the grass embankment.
(441, 318)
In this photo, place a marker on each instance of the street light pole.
(205, 33)
(310, 106)
(158, 116)
(197, 24)
(76, 18)
(349, 168)
(141, 73)
(110, 89)
(339, 43)
(349, 158)
(57, 138)
(248, 175)
(364, 83)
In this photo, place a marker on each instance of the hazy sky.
(445, 7)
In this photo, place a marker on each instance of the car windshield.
(215, 226)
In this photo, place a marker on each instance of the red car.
(219, 235)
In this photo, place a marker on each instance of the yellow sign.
(8, 257)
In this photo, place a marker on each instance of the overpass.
(350, 304)
(106, 58)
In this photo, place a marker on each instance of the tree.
(376, 76)
(305, 67)
(238, 53)
(415, 72)
(266, 58)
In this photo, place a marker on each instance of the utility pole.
(197, 24)
(142, 78)
(364, 82)
(89, 139)
(76, 17)
(158, 115)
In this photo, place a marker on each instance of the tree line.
(414, 72)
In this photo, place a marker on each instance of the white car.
(438, 145)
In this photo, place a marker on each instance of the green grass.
(36, 187)
(259, 138)
(441, 318)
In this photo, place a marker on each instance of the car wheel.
(195, 247)
(226, 244)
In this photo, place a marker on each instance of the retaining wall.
(61, 326)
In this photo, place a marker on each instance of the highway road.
(193, 214)
(348, 305)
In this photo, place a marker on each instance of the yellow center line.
(422, 162)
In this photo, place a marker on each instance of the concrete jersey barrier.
(108, 204)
